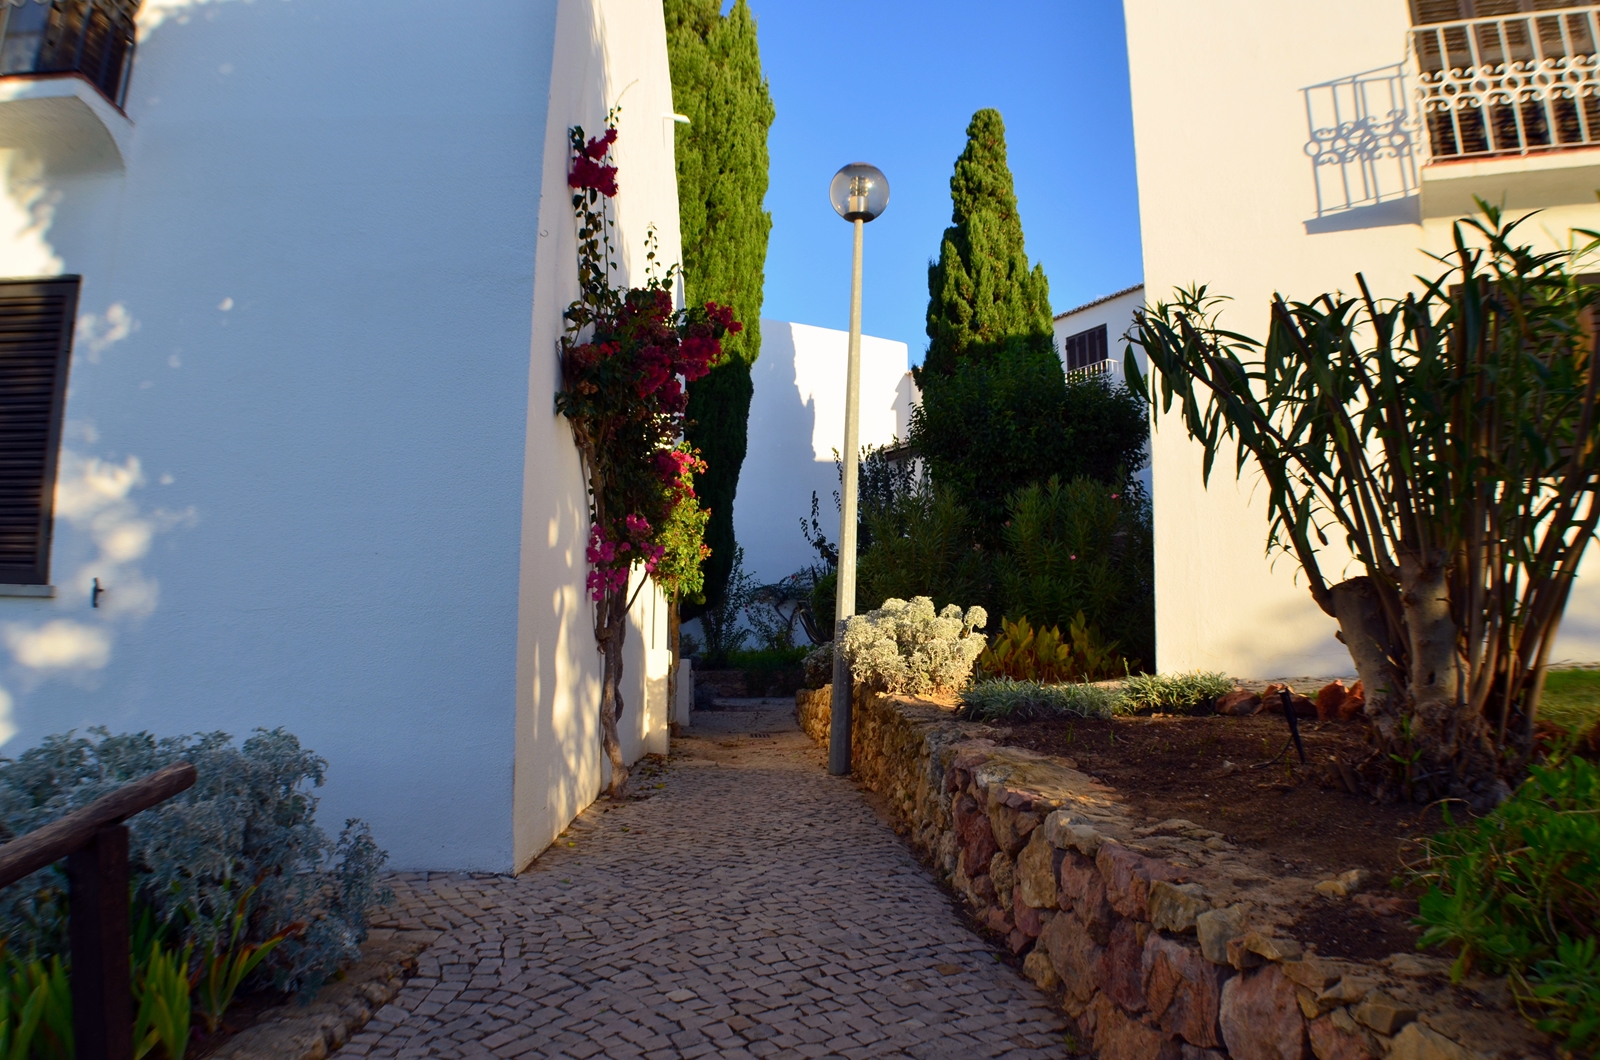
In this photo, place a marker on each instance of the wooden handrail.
(43, 846)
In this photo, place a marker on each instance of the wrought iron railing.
(1510, 85)
(92, 38)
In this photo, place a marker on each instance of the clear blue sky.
(895, 86)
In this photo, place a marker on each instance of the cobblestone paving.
(752, 906)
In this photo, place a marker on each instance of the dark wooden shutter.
(1085, 348)
(35, 343)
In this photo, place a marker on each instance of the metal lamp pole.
(859, 193)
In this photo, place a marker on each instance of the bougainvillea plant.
(625, 357)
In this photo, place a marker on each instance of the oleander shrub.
(249, 821)
(1517, 892)
(1175, 693)
(1006, 699)
(907, 647)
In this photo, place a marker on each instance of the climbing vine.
(626, 356)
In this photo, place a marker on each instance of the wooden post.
(102, 984)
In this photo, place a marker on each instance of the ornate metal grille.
(94, 38)
(1509, 85)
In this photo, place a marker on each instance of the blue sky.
(895, 86)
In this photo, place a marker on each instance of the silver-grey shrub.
(249, 819)
(1175, 693)
(1003, 699)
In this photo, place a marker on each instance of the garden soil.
(1167, 767)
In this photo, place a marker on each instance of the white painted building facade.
(1280, 149)
(310, 453)
(796, 430)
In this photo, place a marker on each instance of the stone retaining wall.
(1163, 940)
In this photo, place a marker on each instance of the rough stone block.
(1216, 929)
(1347, 990)
(1128, 875)
(1122, 964)
(976, 838)
(1260, 1017)
(1026, 916)
(1251, 948)
(1416, 1042)
(1036, 966)
(1065, 833)
(1083, 891)
(1383, 1013)
(1011, 827)
(1119, 1036)
(1239, 703)
(1074, 954)
(995, 919)
(1183, 990)
(1337, 1037)
(1194, 1052)
(1310, 973)
(1174, 906)
(1036, 872)
(1004, 873)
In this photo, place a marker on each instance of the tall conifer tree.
(722, 179)
(982, 297)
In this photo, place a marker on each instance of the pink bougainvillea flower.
(586, 173)
(599, 145)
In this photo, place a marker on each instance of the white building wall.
(304, 452)
(1227, 197)
(608, 53)
(796, 427)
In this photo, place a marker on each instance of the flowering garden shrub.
(905, 646)
(625, 357)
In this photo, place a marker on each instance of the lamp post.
(859, 193)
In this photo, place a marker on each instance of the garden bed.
(1210, 770)
(1168, 926)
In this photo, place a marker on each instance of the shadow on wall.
(1361, 140)
(796, 428)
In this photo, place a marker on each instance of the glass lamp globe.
(859, 192)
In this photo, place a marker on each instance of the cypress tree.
(722, 179)
(982, 297)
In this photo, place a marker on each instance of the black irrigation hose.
(1294, 725)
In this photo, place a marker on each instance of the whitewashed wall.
(607, 53)
(305, 452)
(796, 426)
(1227, 197)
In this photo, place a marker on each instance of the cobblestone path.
(751, 907)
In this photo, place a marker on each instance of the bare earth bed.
(1166, 767)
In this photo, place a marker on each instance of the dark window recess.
(35, 342)
(93, 38)
(1428, 12)
(1085, 348)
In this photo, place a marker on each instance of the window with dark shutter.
(1085, 348)
(35, 342)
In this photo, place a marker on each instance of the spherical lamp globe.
(859, 192)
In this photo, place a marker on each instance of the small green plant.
(1175, 693)
(230, 960)
(1518, 891)
(1004, 699)
(162, 1005)
(1020, 652)
(35, 1009)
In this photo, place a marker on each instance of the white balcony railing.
(1511, 85)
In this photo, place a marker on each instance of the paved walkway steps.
(751, 906)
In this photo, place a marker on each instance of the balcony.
(92, 39)
(64, 67)
(1511, 109)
